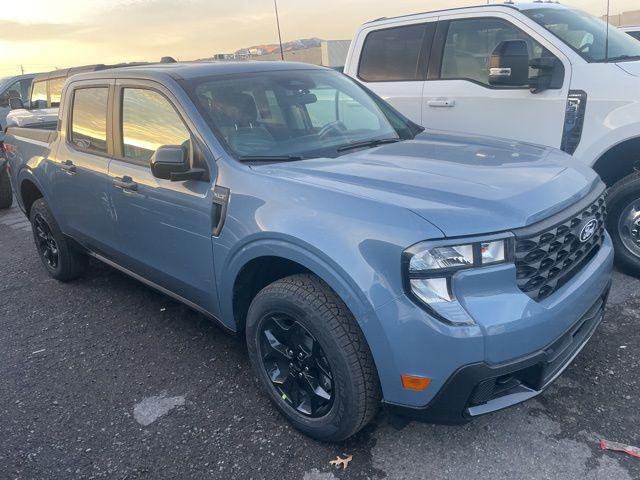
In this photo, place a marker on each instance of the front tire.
(58, 256)
(6, 195)
(311, 358)
(623, 222)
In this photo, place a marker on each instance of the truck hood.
(462, 185)
(632, 68)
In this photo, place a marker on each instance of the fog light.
(411, 382)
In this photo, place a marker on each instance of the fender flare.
(26, 174)
(319, 264)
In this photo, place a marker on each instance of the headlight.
(430, 266)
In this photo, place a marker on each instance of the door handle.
(68, 167)
(441, 102)
(125, 183)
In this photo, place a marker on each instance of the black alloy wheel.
(61, 259)
(46, 243)
(296, 365)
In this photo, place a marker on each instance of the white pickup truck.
(634, 31)
(534, 72)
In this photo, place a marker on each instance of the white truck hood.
(632, 68)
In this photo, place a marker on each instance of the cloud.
(12, 31)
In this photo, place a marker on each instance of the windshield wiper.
(622, 58)
(366, 143)
(269, 158)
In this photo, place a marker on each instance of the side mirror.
(170, 162)
(509, 64)
(15, 104)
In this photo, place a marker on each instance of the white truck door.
(459, 97)
(393, 63)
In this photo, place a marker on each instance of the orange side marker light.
(411, 382)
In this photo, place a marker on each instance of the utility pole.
(22, 69)
(275, 4)
(606, 43)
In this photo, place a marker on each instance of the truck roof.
(187, 70)
(510, 5)
(67, 72)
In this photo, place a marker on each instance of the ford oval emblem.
(588, 230)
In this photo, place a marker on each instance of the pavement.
(106, 378)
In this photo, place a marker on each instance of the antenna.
(275, 4)
(606, 43)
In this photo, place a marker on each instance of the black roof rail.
(67, 72)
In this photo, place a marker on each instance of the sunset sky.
(42, 35)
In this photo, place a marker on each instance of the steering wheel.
(333, 128)
(585, 47)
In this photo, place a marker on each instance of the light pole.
(275, 5)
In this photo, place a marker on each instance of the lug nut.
(306, 369)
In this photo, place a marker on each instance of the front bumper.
(481, 388)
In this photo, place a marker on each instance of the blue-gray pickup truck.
(365, 261)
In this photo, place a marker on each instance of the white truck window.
(587, 35)
(89, 119)
(393, 54)
(471, 42)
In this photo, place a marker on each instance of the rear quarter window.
(393, 54)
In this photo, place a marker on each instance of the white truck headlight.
(429, 267)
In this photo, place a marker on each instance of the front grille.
(548, 259)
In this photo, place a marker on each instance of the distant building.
(628, 18)
(224, 57)
(334, 52)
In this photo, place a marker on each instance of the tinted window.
(392, 54)
(306, 113)
(89, 119)
(470, 43)
(148, 122)
(635, 35)
(55, 91)
(39, 95)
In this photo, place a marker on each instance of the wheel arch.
(29, 192)
(264, 261)
(619, 161)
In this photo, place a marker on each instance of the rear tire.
(61, 260)
(623, 222)
(6, 195)
(345, 387)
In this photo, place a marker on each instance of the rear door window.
(55, 91)
(39, 95)
(149, 121)
(89, 119)
(394, 54)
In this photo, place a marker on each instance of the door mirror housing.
(509, 64)
(15, 104)
(171, 162)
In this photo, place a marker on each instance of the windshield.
(586, 34)
(294, 114)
